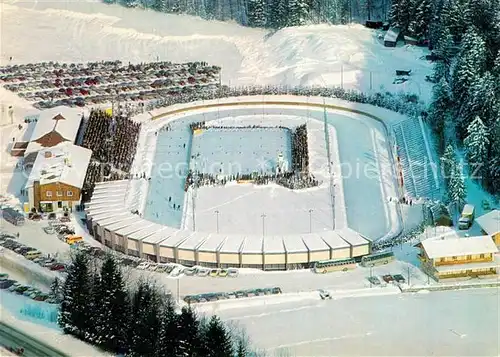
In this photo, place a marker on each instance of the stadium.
(208, 185)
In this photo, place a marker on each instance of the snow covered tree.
(440, 105)
(74, 309)
(216, 340)
(401, 14)
(278, 15)
(56, 289)
(344, 12)
(256, 13)
(168, 341)
(453, 18)
(420, 22)
(482, 101)
(298, 11)
(449, 161)
(145, 323)
(456, 187)
(477, 144)
(111, 330)
(468, 68)
(493, 169)
(160, 5)
(241, 348)
(188, 333)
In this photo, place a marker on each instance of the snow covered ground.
(451, 323)
(363, 164)
(311, 55)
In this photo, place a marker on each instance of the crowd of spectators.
(300, 151)
(50, 84)
(113, 141)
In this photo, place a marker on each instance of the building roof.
(213, 243)
(294, 244)
(233, 244)
(490, 222)
(54, 126)
(453, 247)
(273, 244)
(352, 237)
(65, 163)
(392, 34)
(315, 243)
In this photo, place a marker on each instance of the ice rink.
(364, 163)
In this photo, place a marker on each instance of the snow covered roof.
(490, 222)
(213, 243)
(104, 211)
(454, 247)
(252, 245)
(392, 34)
(315, 243)
(294, 244)
(159, 236)
(143, 224)
(176, 238)
(116, 218)
(125, 223)
(273, 244)
(55, 125)
(233, 244)
(352, 237)
(193, 241)
(65, 163)
(333, 240)
(146, 232)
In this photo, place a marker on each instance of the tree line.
(465, 108)
(98, 307)
(272, 14)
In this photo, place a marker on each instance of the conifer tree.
(168, 341)
(256, 13)
(74, 309)
(448, 161)
(217, 341)
(440, 105)
(297, 12)
(278, 15)
(456, 187)
(477, 144)
(114, 306)
(188, 331)
(420, 22)
(241, 348)
(145, 322)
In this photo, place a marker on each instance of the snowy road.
(454, 323)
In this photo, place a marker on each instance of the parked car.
(399, 278)
(232, 272)
(49, 230)
(58, 267)
(388, 278)
(324, 294)
(223, 273)
(143, 266)
(6, 284)
(374, 280)
(214, 273)
(176, 272)
(189, 271)
(202, 272)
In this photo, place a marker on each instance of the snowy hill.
(310, 55)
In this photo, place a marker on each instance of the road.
(11, 336)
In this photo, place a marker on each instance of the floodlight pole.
(263, 224)
(217, 220)
(310, 220)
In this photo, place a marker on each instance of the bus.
(377, 259)
(327, 266)
(73, 239)
(13, 216)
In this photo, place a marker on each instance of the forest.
(99, 306)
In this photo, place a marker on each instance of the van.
(467, 217)
(33, 254)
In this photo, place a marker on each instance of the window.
(481, 256)
(442, 260)
(48, 193)
(454, 258)
(69, 193)
(59, 204)
(469, 257)
(59, 193)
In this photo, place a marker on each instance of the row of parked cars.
(200, 298)
(26, 290)
(9, 242)
(387, 278)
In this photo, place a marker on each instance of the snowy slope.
(310, 55)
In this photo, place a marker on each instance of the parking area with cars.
(210, 297)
